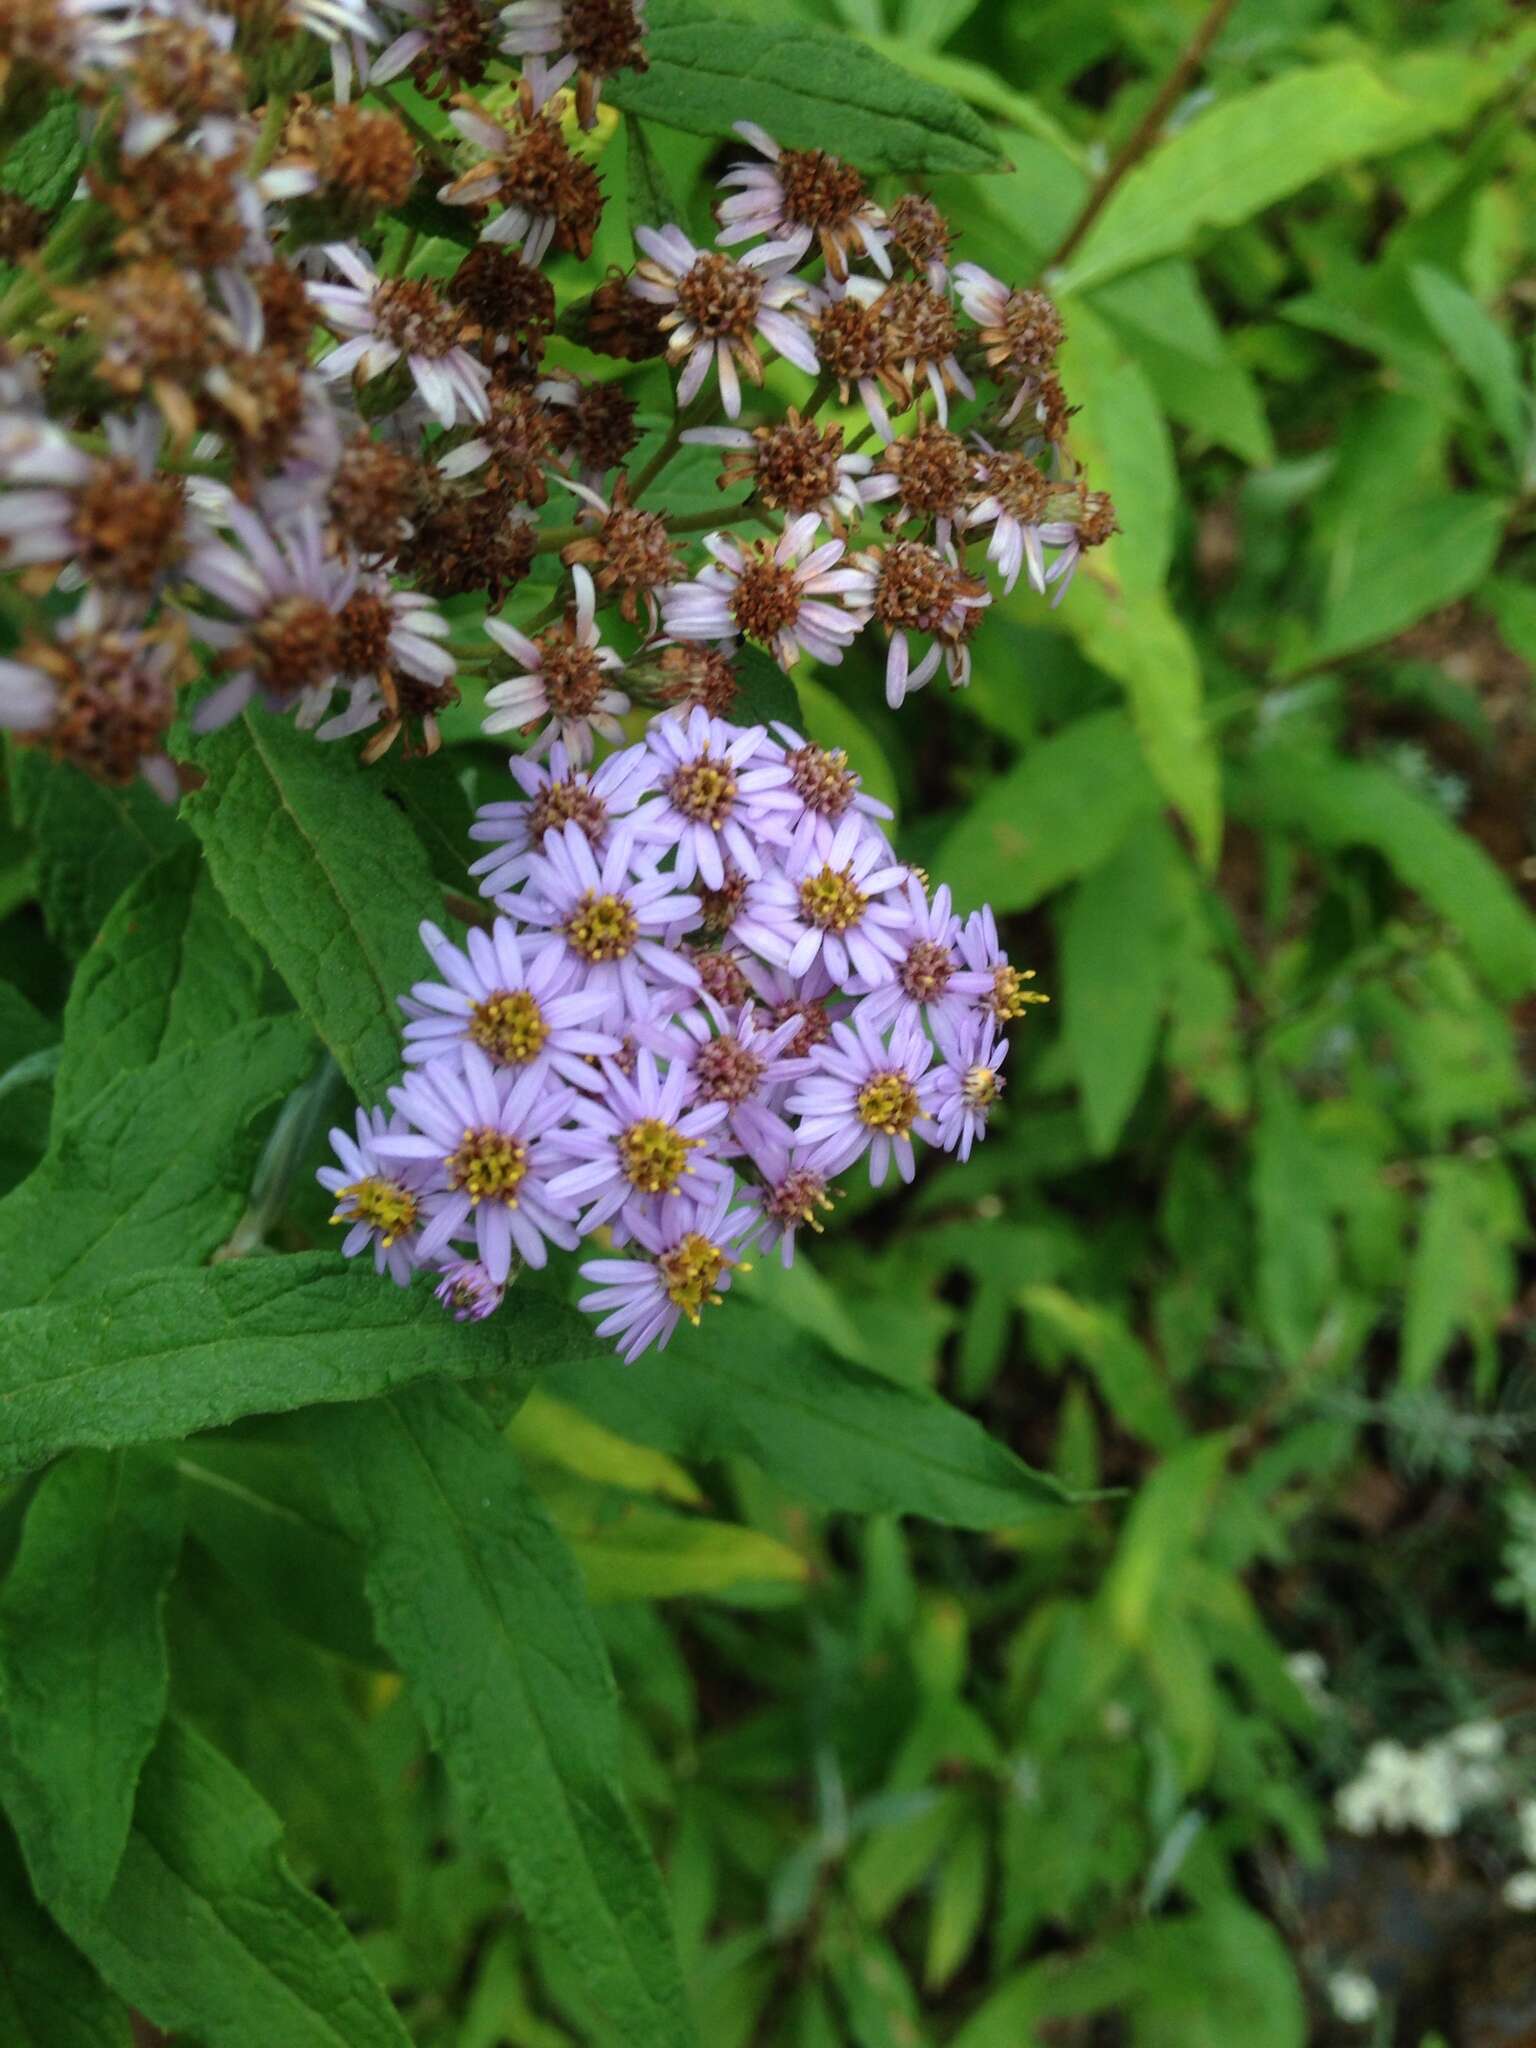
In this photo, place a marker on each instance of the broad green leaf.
(29, 1055)
(207, 1931)
(1257, 146)
(806, 85)
(1481, 350)
(1118, 934)
(154, 1169)
(877, 1996)
(326, 876)
(1164, 1525)
(477, 1599)
(428, 790)
(164, 1354)
(1060, 812)
(50, 1997)
(262, 1511)
(1163, 317)
(959, 1903)
(557, 1434)
(170, 968)
(1356, 803)
(631, 1550)
(282, 1713)
(1119, 613)
(652, 203)
(1383, 574)
(765, 692)
(91, 841)
(82, 1662)
(43, 166)
(1134, 1388)
(1297, 1254)
(1462, 1276)
(816, 1423)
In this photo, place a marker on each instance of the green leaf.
(169, 969)
(1356, 803)
(804, 84)
(155, 1169)
(91, 841)
(49, 1996)
(164, 1354)
(632, 1551)
(1385, 574)
(82, 1662)
(765, 693)
(1298, 1260)
(327, 877)
(206, 1929)
(652, 203)
(28, 1040)
(1059, 813)
(1118, 933)
(1163, 317)
(281, 1712)
(1255, 147)
(45, 163)
(816, 1423)
(1462, 1276)
(959, 1903)
(1164, 1525)
(1480, 349)
(479, 1603)
(1134, 1387)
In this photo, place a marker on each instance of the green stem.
(821, 391)
(659, 461)
(273, 123)
(431, 143)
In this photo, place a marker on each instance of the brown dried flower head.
(619, 324)
(521, 432)
(180, 70)
(535, 168)
(791, 465)
(598, 430)
(461, 44)
(510, 301)
(916, 589)
(181, 203)
(693, 672)
(932, 468)
(363, 157)
(919, 231)
(116, 697)
(372, 495)
(631, 553)
(467, 541)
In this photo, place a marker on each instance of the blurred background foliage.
(1247, 1258)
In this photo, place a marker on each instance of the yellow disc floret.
(831, 900)
(655, 1156)
(888, 1103)
(691, 1273)
(489, 1165)
(383, 1205)
(509, 1026)
(602, 927)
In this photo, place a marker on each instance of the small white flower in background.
(1478, 1741)
(1520, 1891)
(1308, 1670)
(1353, 1996)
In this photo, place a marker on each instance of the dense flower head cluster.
(268, 450)
(709, 987)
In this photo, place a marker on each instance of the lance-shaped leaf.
(804, 84)
(326, 875)
(153, 1170)
(207, 1930)
(819, 1425)
(50, 1997)
(82, 1661)
(168, 1353)
(480, 1604)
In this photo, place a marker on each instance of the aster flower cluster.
(253, 428)
(709, 987)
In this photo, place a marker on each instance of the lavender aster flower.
(688, 1268)
(555, 795)
(518, 1011)
(633, 1149)
(468, 1292)
(608, 920)
(772, 591)
(930, 983)
(380, 1198)
(840, 897)
(564, 679)
(738, 1060)
(111, 519)
(1004, 994)
(721, 787)
(386, 318)
(864, 1095)
(825, 785)
(480, 1135)
(715, 308)
(968, 1083)
(791, 1192)
(801, 196)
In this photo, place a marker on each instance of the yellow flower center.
(509, 1026)
(888, 1103)
(691, 1273)
(602, 927)
(704, 790)
(655, 1156)
(488, 1166)
(383, 1205)
(1009, 997)
(980, 1087)
(830, 900)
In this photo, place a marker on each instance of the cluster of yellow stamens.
(383, 1205)
(509, 1026)
(654, 1156)
(602, 927)
(888, 1103)
(831, 900)
(489, 1165)
(691, 1273)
